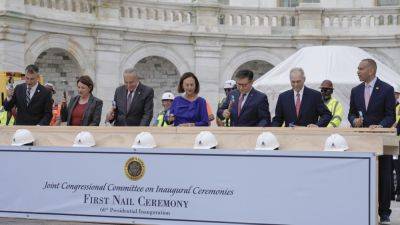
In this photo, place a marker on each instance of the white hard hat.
(22, 137)
(84, 139)
(205, 140)
(229, 84)
(336, 142)
(168, 96)
(144, 140)
(397, 89)
(267, 141)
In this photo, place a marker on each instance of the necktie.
(129, 101)
(241, 98)
(367, 95)
(28, 95)
(298, 103)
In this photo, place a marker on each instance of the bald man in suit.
(372, 104)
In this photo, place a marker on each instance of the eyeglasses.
(243, 85)
(324, 90)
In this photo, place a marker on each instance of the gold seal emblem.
(134, 168)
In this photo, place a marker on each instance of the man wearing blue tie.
(246, 106)
(300, 106)
(372, 104)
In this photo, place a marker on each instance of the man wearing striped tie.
(32, 100)
(372, 104)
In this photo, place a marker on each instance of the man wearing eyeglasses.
(333, 104)
(246, 106)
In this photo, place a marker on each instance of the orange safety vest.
(56, 115)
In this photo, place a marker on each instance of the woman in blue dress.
(188, 109)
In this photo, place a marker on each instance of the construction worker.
(166, 101)
(396, 161)
(229, 86)
(397, 96)
(6, 117)
(333, 105)
(56, 119)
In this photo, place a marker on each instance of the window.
(288, 3)
(387, 2)
(294, 3)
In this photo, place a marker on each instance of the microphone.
(360, 114)
(231, 102)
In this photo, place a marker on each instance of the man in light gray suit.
(133, 102)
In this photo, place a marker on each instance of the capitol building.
(162, 39)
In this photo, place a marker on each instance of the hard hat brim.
(17, 144)
(144, 147)
(204, 147)
(265, 149)
(336, 150)
(80, 145)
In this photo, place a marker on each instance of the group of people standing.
(372, 104)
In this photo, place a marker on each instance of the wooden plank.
(299, 138)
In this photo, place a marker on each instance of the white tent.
(336, 63)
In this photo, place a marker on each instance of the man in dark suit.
(372, 105)
(300, 106)
(245, 106)
(32, 100)
(133, 102)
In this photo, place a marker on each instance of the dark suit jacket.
(255, 110)
(92, 115)
(312, 109)
(39, 110)
(381, 107)
(141, 110)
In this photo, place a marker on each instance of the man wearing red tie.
(372, 104)
(300, 106)
(246, 106)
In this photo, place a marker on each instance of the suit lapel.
(138, 92)
(360, 95)
(24, 96)
(304, 102)
(76, 99)
(86, 112)
(248, 98)
(123, 98)
(36, 94)
(375, 92)
(292, 104)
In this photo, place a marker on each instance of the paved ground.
(5, 221)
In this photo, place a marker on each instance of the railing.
(258, 18)
(79, 6)
(376, 18)
(162, 13)
(231, 20)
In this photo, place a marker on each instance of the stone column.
(108, 74)
(206, 12)
(207, 50)
(310, 19)
(207, 68)
(12, 33)
(12, 6)
(108, 53)
(108, 12)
